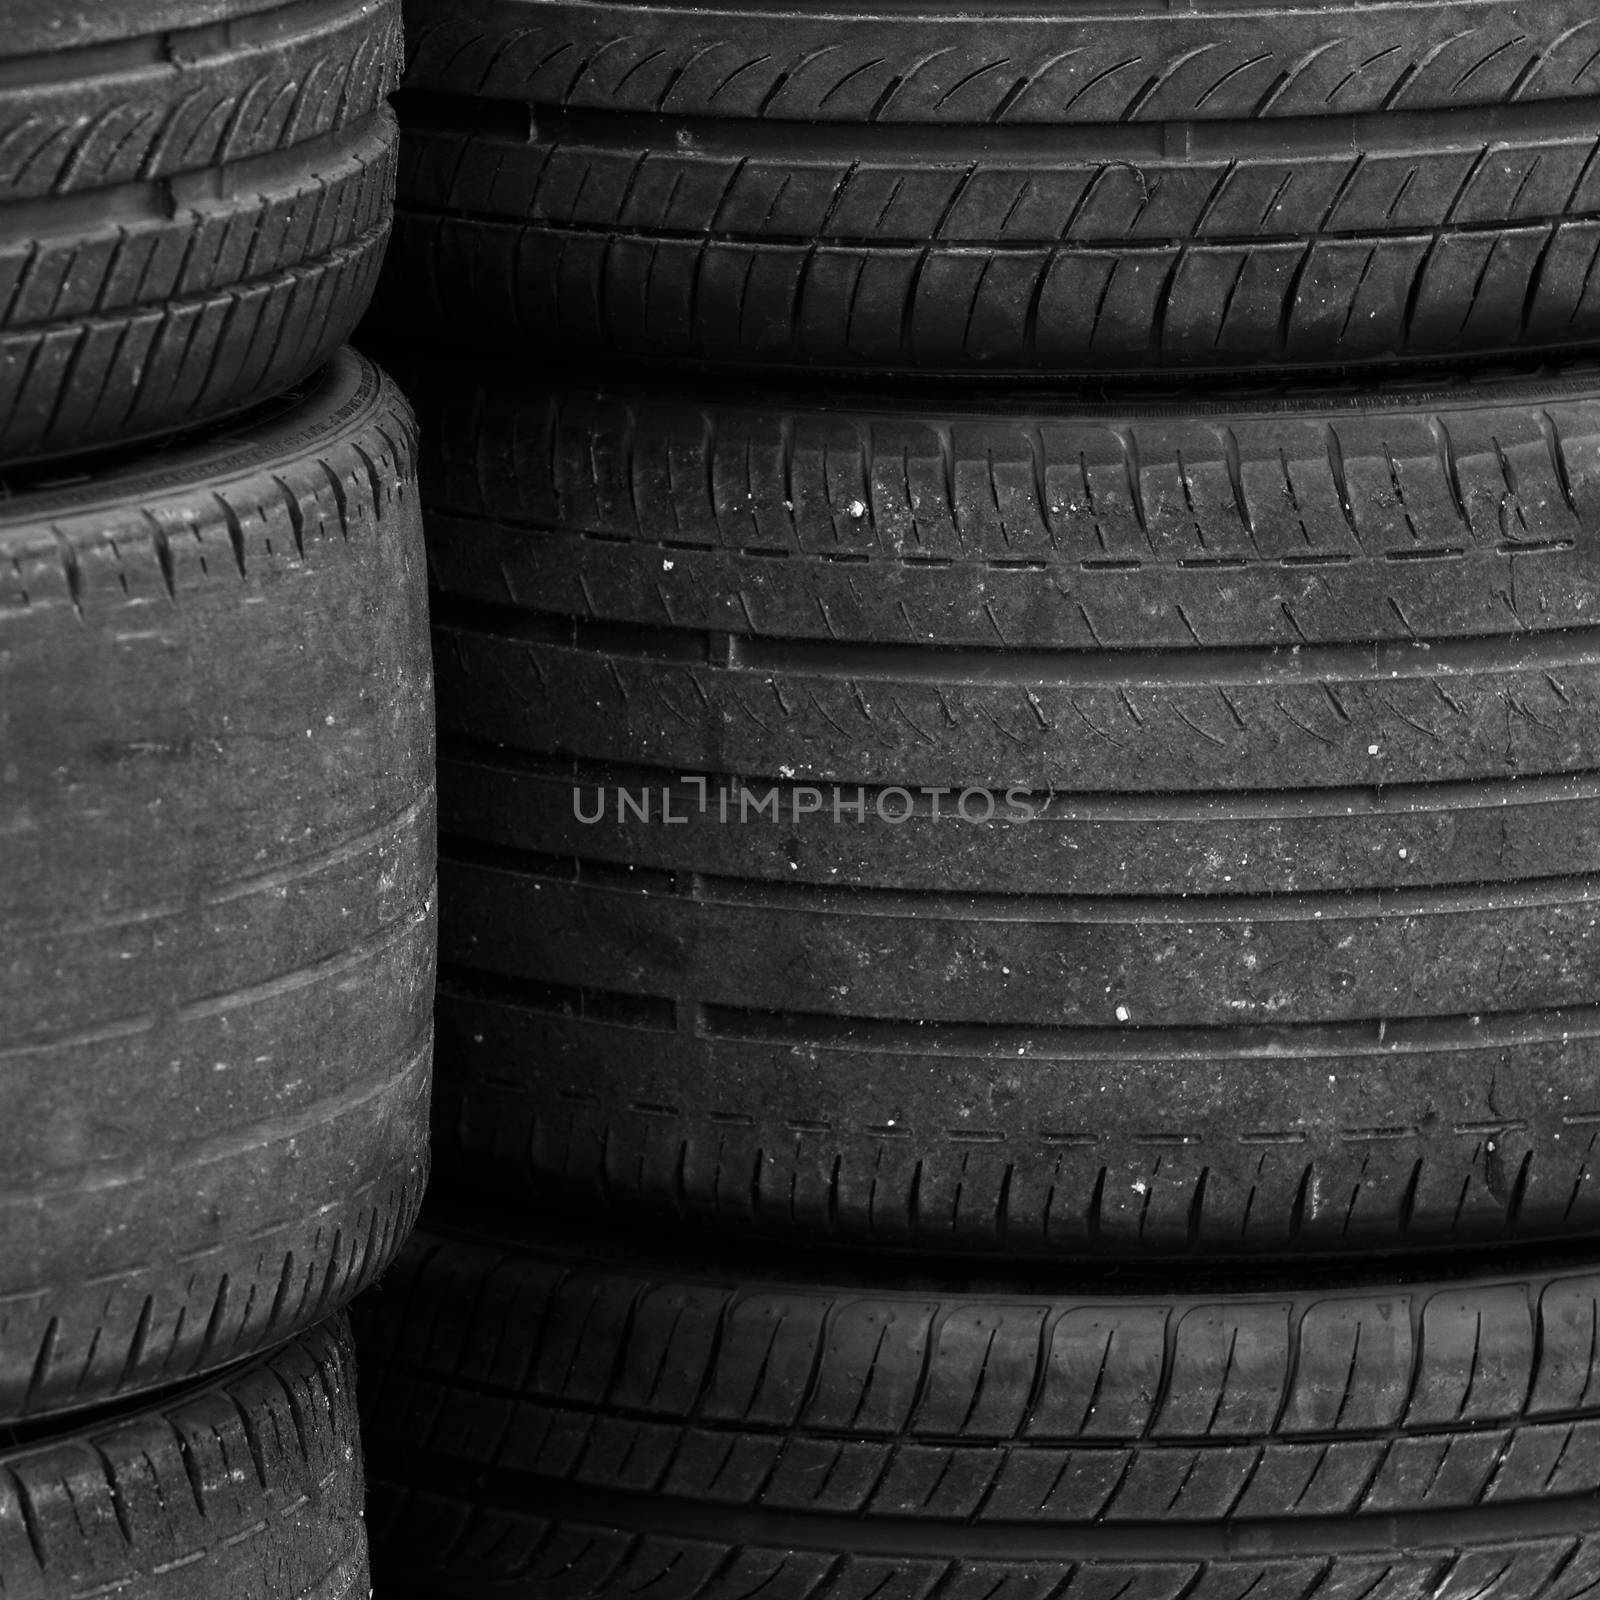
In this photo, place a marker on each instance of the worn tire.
(947, 188)
(1298, 950)
(249, 1486)
(570, 1413)
(194, 203)
(217, 915)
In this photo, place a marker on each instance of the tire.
(217, 917)
(1398, 517)
(578, 1414)
(194, 203)
(939, 188)
(1314, 976)
(249, 1486)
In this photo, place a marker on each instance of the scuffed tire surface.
(1281, 937)
(217, 915)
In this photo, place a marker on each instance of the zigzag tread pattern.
(837, 717)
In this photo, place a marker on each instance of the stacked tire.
(1018, 912)
(216, 793)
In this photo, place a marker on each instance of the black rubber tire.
(1105, 569)
(194, 203)
(1259, 989)
(955, 188)
(248, 1487)
(569, 1413)
(217, 910)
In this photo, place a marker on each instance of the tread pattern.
(196, 218)
(1049, 843)
(561, 1397)
(584, 1556)
(1340, 517)
(250, 1487)
(755, 60)
(128, 328)
(1247, 866)
(1071, 721)
(1019, 1140)
(868, 954)
(650, 253)
(1202, 190)
(1406, 522)
(220, 942)
(226, 88)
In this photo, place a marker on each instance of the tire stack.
(216, 793)
(1079, 528)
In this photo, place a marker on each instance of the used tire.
(946, 188)
(580, 1414)
(249, 1487)
(216, 917)
(194, 203)
(1260, 915)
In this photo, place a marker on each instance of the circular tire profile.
(217, 913)
(194, 203)
(249, 1486)
(960, 189)
(1059, 831)
(576, 1413)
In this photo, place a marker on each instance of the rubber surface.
(248, 1487)
(1133, 187)
(1104, 573)
(217, 917)
(194, 204)
(571, 1413)
(1280, 937)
